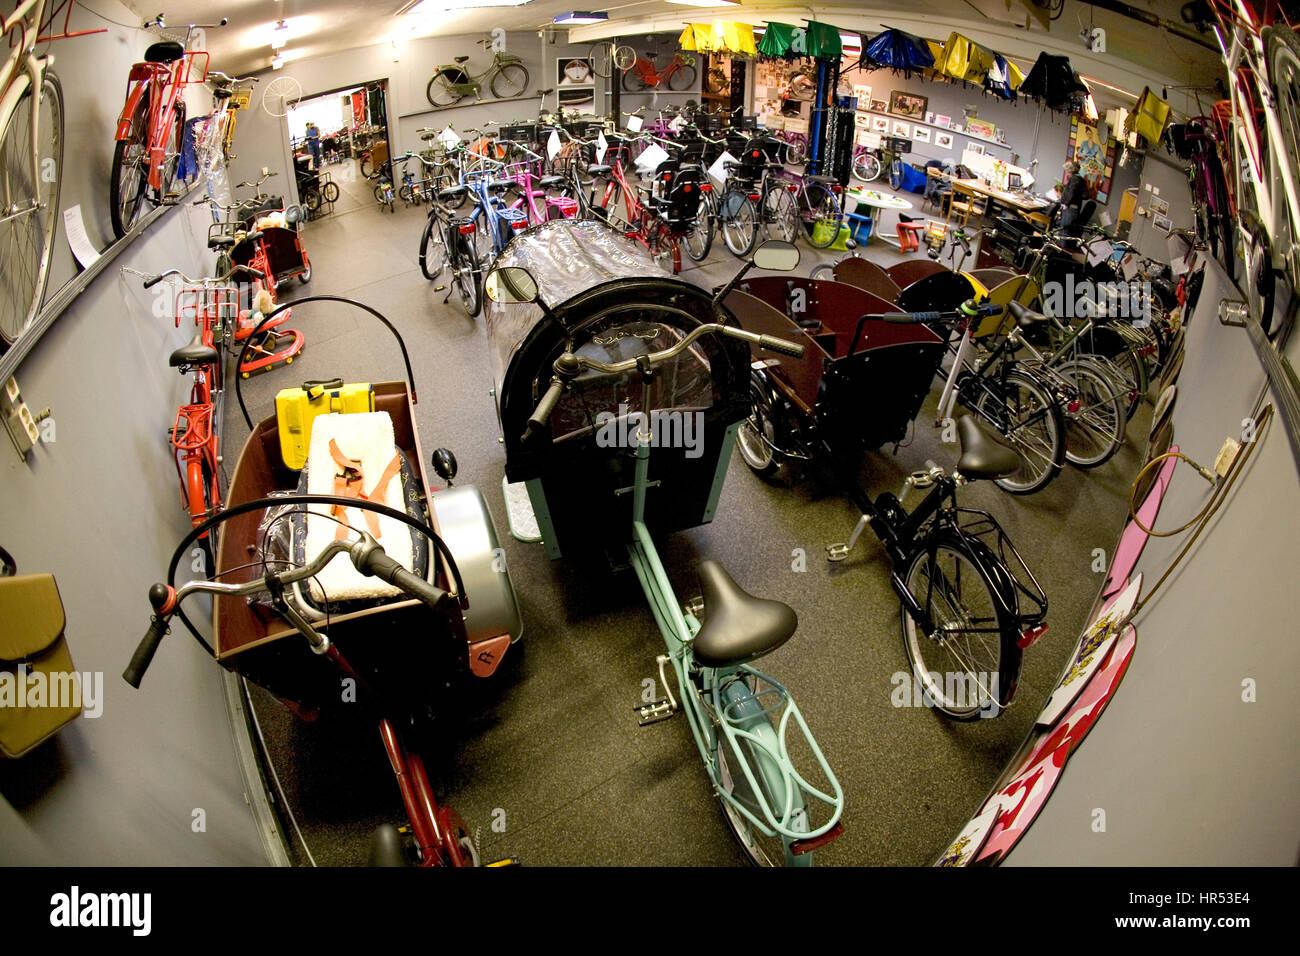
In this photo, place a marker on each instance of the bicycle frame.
(472, 84)
(652, 76)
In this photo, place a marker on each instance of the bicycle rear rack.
(983, 526)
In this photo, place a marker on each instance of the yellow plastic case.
(297, 408)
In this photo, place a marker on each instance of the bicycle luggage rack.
(983, 526)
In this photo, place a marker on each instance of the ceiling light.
(707, 3)
(281, 35)
(277, 61)
(579, 17)
(427, 7)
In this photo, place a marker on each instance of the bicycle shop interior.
(307, 165)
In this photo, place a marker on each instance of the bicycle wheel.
(366, 165)
(311, 198)
(821, 216)
(1282, 55)
(433, 248)
(971, 661)
(1025, 414)
(779, 213)
(634, 81)
(683, 79)
(171, 154)
(866, 167)
(1130, 369)
(27, 238)
(440, 91)
(759, 848)
(624, 57)
(699, 237)
(330, 192)
(601, 57)
(510, 80)
(757, 434)
(468, 275)
(1093, 414)
(796, 152)
(802, 86)
(739, 217)
(130, 171)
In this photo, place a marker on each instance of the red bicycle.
(658, 217)
(679, 75)
(152, 125)
(213, 304)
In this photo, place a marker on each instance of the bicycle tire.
(633, 81)
(24, 288)
(469, 275)
(433, 249)
(311, 198)
(601, 57)
(779, 213)
(514, 79)
(822, 208)
(127, 166)
(624, 57)
(1021, 410)
(1110, 344)
(758, 430)
(867, 167)
(759, 849)
(172, 160)
(738, 215)
(1094, 417)
(796, 152)
(366, 166)
(986, 654)
(1282, 59)
(441, 91)
(330, 192)
(683, 79)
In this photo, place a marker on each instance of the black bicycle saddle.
(738, 627)
(981, 456)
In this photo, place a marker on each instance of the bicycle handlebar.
(151, 281)
(367, 554)
(967, 310)
(568, 366)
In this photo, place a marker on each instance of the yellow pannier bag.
(1149, 118)
(40, 690)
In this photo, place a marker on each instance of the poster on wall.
(575, 81)
(943, 140)
(907, 104)
(902, 129)
(921, 134)
(1096, 161)
(878, 106)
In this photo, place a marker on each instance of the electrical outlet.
(1226, 456)
(18, 419)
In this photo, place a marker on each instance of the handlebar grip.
(378, 563)
(908, 318)
(961, 238)
(145, 651)
(537, 421)
(785, 347)
(150, 283)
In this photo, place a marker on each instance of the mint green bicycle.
(746, 725)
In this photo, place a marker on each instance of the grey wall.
(1187, 772)
(1165, 178)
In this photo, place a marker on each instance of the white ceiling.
(1136, 53)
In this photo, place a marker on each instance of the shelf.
(463, 105)
(942, 129)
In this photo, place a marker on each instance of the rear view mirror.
(511, 284)
(777, 256)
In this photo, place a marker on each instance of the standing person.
(1073, 193)
(313, 144)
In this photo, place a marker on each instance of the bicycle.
(812, 203)
(31, 162)
(151, 127)
(740, 717)
(194, 435)
(506, 76)
(447, 243)
(678, 75)
(1262, 133)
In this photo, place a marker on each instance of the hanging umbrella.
(824, 41)
(966, 60)
(1004, 78)
(896, 50)
(1053, 82)
(777, 41)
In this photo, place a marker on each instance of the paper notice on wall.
(602, 146)
(634, 124)
(718, 171)
(553, 145)
(78, 241)
(652, 157)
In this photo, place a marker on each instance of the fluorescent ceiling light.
(707, 3)
(580, 16)
(426, 7)
(281, 35)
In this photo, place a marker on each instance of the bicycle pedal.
(837, 552)
(654, 712)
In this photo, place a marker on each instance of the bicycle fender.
(128, 110)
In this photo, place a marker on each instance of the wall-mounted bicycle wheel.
(634, 81)
(510, 80)
(130, 173)
(796, 152)
(171, 154)
(441, 90)
(27, 238)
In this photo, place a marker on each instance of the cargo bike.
(588, 336)
(420, 598)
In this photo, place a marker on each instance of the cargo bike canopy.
(603, 296)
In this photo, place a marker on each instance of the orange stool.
(908, 235)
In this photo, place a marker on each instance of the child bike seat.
(196, 353)
(167, 51)
(981, 456)
(738, 627)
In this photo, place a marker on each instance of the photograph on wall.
(921, 134)
(902, 103)
(943, 121)
(863, 93)
(1096, 160)
(975, 149)
(929, 118)
(943, 140)
(878, 106)
(1161, 223)
(879, 124)
(981, 128)
(574, 71)
(902, 129)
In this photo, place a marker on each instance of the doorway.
(339, 143)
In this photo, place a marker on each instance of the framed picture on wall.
(981, 128)
(863, 93)
(574, 71)
(921, 134)
(878, 106)
(975, 148)
(1096, 159)
(944, 121)
(879, 124)
(902, 103)
(943, 140)
(902, 129)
